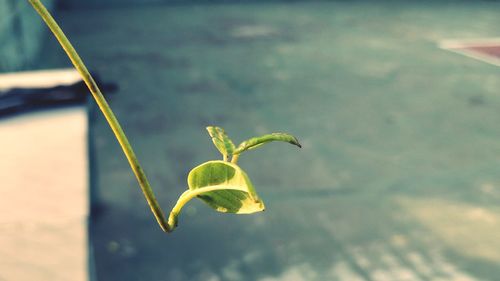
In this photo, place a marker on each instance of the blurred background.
(398, 178)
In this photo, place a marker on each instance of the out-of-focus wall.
(75, 4)
(21, 34)
(78, 4)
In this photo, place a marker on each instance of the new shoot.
(223, 185)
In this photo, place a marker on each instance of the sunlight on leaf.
(238, 197)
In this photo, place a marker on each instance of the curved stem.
(108, 114)
(190, 194)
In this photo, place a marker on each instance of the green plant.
(223, 185)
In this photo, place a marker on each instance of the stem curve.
(108, 114)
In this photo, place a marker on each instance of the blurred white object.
(483, 49)
(44, 187)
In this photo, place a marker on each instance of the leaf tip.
(296, 142)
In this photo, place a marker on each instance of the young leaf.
(232, 191)
(221, 140)
(258, 141)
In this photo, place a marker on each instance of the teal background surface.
(398, 178)
(21, 35)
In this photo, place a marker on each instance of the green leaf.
(221, 140)
(258, 141)
(225, 187)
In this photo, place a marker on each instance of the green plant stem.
(108, 114)
(235, 158)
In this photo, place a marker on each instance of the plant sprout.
(223, 185)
